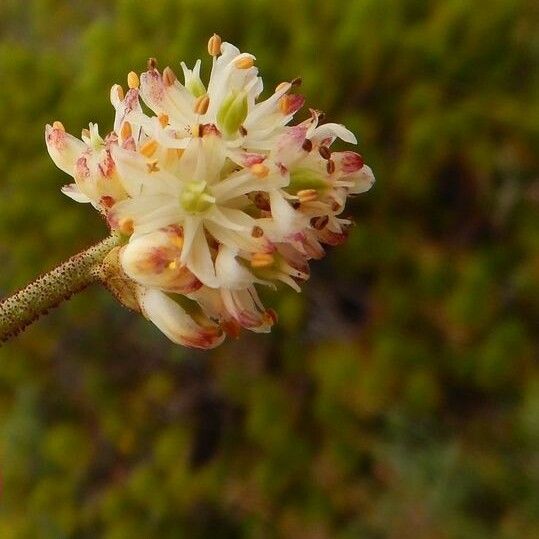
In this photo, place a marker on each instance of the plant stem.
(50, 289)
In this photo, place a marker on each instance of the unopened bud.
(214, 45)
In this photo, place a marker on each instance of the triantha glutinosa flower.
(214, 192)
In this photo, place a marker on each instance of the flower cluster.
(213, 193)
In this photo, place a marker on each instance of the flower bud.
(232, 112)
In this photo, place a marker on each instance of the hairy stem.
(50, 289)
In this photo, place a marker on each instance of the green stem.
(50, 289)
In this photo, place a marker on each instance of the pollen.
(169, 77)
(244, 63)
(126, 131)
(126, 226)
(164, 120)
(133, 80)
(260, 170)
(58, 125)
(201, 104)
(307, 195)
(214, 45)
(148, 148)
(262, 260)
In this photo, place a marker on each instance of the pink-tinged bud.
(153, 260)
(245, 307)
(174, 321)
(291, 103)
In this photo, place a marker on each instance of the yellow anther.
(119, 91)
(172, 265)
(262, 260)
(260, 170)
(307, 195)
(58, 125)
(195, 131)
(282, 86)
(169, 77)
(163, 119)
(152, 166)
(133, 80)
(126, 131)
(126, 226)
(177, 241)
(244, 63)
(201, 104)
(148, 148)
(214, 45)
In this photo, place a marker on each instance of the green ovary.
(196, 198)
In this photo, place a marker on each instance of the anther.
(169, 77)
(262, 260)
(126, 226)
(133, 80)
(126, 131)
(330, 166)
(201, 104)
(152, 64)
(244, 63)
(163, 119)
(296, 82)
(260, 170)
(242, 130)
(307, 195)
(148, 148)
(195, 131)
(172, 265)
(214, 45)
(307, 145)
(58, 125)
(319, 222)
(257, 232)
(324, 152)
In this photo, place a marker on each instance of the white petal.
(72, 191)
(199, 260)
(331, 131)
(175, 323)
(230, 272)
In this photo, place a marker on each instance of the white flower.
(214, 192)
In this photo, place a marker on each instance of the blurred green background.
(399, 395)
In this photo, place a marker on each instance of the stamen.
(257, 232)
(262, 260)
(260, 170)
(152, 64)
(195, 131)
(307, 195)
(172, 265)
(133, 80)
(201, 104)
(296, 82)
(169, 77)
(307, 145)
(163, 119)
(126, 226)
(330, 167)
(58, 125)
(244, 63)
(214, 45)
(126, 131)
(324, 152)
(148, 148)
(242, 130)
(319, 222)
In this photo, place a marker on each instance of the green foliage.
(398, 396)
